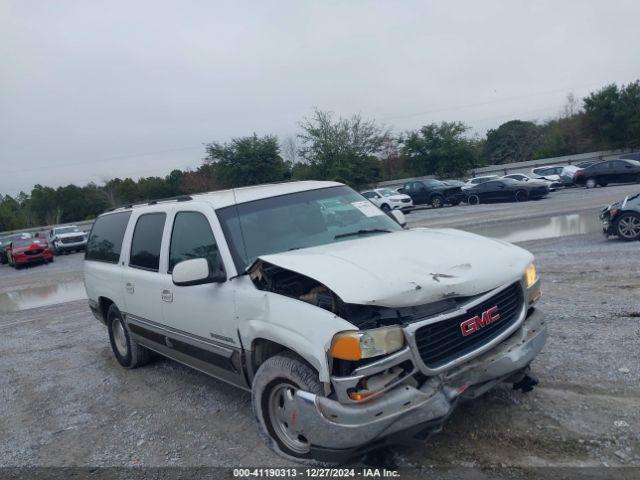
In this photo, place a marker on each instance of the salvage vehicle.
(549, 173)
(68, 238)
(521, 177)
(387, 199)
(505, 190)
(343, 349)
(622, 219)
(472, 182)
(609, 171)
(433, 192)
(25, 251)
(5, 242)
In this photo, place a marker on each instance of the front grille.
(34, 252)
(441, 342)
(72, 239)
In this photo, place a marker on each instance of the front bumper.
(408, 413)
(27, 259)
(63, 247)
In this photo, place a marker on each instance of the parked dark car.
(622, 219)
(433, 192)
(504, 190)
(609, 171)
(5, 242)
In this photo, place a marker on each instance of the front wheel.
(437, 201)
(275, 407)
(628, 226)
(521, 196)
(385, 208)
(473, 200)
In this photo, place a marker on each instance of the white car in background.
(387, 199)
(521, 177)
(549, 173)
(472, 182)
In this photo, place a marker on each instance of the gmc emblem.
(479, 321)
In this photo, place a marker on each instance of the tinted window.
(147, 238)
(369, 195)
(192, 238)
(105, 240)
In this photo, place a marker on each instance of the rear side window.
(192, 238)
(105, 240)
(147, 238)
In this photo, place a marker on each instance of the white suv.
(282, 290)
(388, 199)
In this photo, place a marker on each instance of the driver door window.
(192, 238)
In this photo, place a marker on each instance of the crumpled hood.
(409, 267)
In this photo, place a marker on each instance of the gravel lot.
(64, 401)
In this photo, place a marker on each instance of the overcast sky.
(92, 90)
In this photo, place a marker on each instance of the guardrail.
(85, 225)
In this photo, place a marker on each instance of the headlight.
(366, 344)
(530, 276)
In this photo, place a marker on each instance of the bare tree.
(289, 148)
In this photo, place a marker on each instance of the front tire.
(385, 208)
(628, 226)
(128, 353)
(521, 196)
(473, 200)
(274, 404)
(437, 201)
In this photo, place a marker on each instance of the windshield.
(385, 192)
(63, 230)
(299, 220)
(23, 242)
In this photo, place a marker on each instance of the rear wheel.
(437, 201)
(128, 353)
(521, 196)
(275, 406)
(591, 183)
(628, 226)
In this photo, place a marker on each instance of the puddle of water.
(539, 228)
(41, 296)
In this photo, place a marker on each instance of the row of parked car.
(22, 249)
(517, 187)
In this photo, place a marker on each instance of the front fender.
(292, 323)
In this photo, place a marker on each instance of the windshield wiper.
(362, 232)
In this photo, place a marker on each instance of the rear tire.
(128, 353)
(627, 226)
(274, 406)
(591, 183)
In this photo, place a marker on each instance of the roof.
(225, 198)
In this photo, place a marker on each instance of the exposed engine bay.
(272, 278)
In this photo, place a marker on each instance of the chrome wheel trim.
(120, 338)
(283, 413)
(591, 183)
(629, 226)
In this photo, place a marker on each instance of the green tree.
(514, 141)
(247, 161)
(343, 149)
(613, 115)
(440, 149)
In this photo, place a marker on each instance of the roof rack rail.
(178, 198)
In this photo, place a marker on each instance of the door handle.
(129, 288)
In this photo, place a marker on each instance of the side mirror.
(399, 217)
(195, 272)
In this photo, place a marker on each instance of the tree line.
(356, 151)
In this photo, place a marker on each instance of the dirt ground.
(64, 401)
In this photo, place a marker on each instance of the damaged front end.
(401, 373)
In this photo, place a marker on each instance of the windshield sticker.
(367, 208)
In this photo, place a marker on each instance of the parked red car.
(29, 250)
